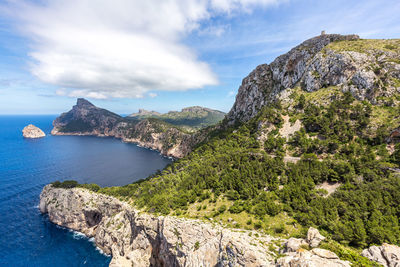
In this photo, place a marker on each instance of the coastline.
(122, 139)
(141, 239)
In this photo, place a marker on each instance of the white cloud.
(119, 48)
(247, 5)
(152, 95)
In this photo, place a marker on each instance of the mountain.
(142, 114)
(312, 140)
(86, 119)
(194, 117)
(175, 140)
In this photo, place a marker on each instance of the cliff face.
(139, 239)
(367, 68)
(87, 119)
(142, 240)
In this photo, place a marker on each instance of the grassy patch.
(348, 254)
(365, 45)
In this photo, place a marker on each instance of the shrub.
(222, 209)
(92, 187)
(66, 184)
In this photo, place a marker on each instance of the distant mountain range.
(173, 134)
(195, 117)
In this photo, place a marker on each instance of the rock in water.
(31, 131)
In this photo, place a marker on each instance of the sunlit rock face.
(31, 131)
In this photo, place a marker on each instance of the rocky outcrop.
(315, 257)
(138, 239)
(87, 119)
(365, 70)
(31, 131)
(264, 83)
(387, 255)
(313, 239)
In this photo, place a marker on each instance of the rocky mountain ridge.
(195, 117)
(367, 71)
(87, 119)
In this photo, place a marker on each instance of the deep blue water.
(27, 238)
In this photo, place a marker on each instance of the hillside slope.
(191, 117)
(324, 116)
(87, 119)
(312, 140)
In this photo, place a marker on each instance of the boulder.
(294, 244)
(314, 238)
(314, 258)
(31, 131)
(387, 255)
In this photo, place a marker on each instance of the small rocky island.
(31, 131)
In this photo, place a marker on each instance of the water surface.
(27, 238)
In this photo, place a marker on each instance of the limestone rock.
(314, 238)
(87, 119)
(314, 258)
(31, 131)
(387, 255)
(266, 82)
(294, 244)
(369, 74)
(139, 239)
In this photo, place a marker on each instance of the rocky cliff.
(138, 239)
(87, 119)
(329, 135)
(369, 69)
(31, 131)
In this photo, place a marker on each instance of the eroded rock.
(139, 239)
(387, 255)
(31, 131)
(314, 238)
(314, 258)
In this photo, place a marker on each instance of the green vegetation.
(65, 184)
(73, 184)
(235, 177)
(348, 254)
(366, 45)
(189, 118)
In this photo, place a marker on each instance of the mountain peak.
(366, 68)
(81, 102)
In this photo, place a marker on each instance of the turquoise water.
(27, 238)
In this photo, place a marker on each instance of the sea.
(27, 237)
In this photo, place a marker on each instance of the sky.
(159, 54)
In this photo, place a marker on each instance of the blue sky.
(162, 55)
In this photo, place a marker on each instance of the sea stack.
(31, 131)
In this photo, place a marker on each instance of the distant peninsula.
(173, 134)
(31, 131)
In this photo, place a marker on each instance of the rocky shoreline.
(135, 238)
(89, 120)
